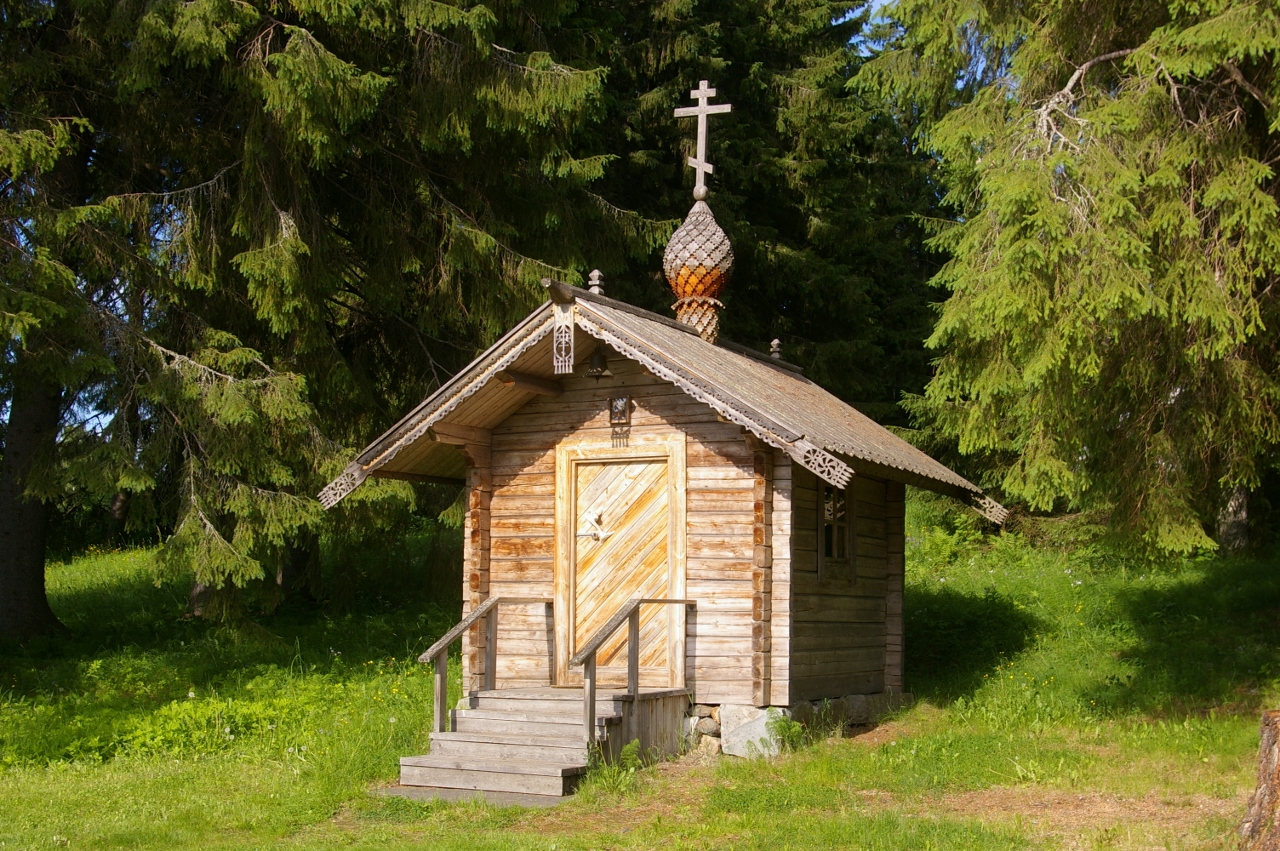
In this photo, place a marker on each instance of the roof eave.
(439, 404)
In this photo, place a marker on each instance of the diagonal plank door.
(622, 532)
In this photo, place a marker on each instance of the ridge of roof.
(561, 290)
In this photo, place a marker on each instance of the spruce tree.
(1108, 338)
(239, 236)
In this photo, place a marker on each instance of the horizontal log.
(837, 659)
(521, 525)
(718, 501)
(723, 570)
(740, 548)
(512, 571)
(700, 529)
(520, 589)
(720, 645)
(512, 506)
(828, 634)
(810, 609)
(817, 688)
(522, 547)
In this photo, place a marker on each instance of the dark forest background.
(240, 239)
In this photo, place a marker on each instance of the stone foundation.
(745, 730)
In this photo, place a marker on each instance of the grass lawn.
(1068, 697)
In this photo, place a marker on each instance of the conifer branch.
(1062, 100)
(1239, 79)
(212, 183)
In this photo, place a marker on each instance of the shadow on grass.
(130, 649)
(1211, 640)
(953, 638)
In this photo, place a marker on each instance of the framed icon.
(620, 411)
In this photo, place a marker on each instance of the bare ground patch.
(1081, 820)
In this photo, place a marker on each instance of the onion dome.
(697, 263)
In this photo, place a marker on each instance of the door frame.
(669, 448)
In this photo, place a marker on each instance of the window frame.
(830, 568)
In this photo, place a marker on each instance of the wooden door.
(622, 538)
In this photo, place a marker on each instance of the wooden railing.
(586, 657)
(438, 653)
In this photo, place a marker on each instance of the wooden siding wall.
(762, 575)
(720, 499)
(475, 560)
(780, 590)
(895, 540)
(838, 627)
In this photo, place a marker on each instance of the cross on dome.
(699, 163)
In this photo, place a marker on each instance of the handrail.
(611, 626)
(476, 613)
(586, 657)
(438, 654)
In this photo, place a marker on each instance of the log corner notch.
(1260, 830)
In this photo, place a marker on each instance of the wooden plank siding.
(838, 626)
(895, 543)
(762, 575)
(721, 520)
(475, 559)
(780, 624)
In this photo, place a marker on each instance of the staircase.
(528, 741)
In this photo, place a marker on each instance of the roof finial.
(699, 258)
(699, 163)
(597, 282)
(775, 349)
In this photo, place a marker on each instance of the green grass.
(1047, 667)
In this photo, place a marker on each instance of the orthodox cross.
(699, 163)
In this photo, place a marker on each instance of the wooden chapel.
(660, 524)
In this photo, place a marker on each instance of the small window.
(837, 556)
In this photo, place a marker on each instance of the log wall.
(721, 529)
(838, 626)
(895, 542)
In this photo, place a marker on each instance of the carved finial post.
(775, 349)
(597, 282)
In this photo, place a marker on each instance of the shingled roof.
(766, 396)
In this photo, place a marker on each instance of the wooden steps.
(489, 775)
(528, 741)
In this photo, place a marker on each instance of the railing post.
(441, 663)
(633, 651)
(589, 697)
(491, 649)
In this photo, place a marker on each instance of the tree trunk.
(1260, 830)
(1233, 521)
(198, 599)
(298, 574)
(116, 516)
(34, 413)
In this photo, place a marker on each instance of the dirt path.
(1066, 818)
